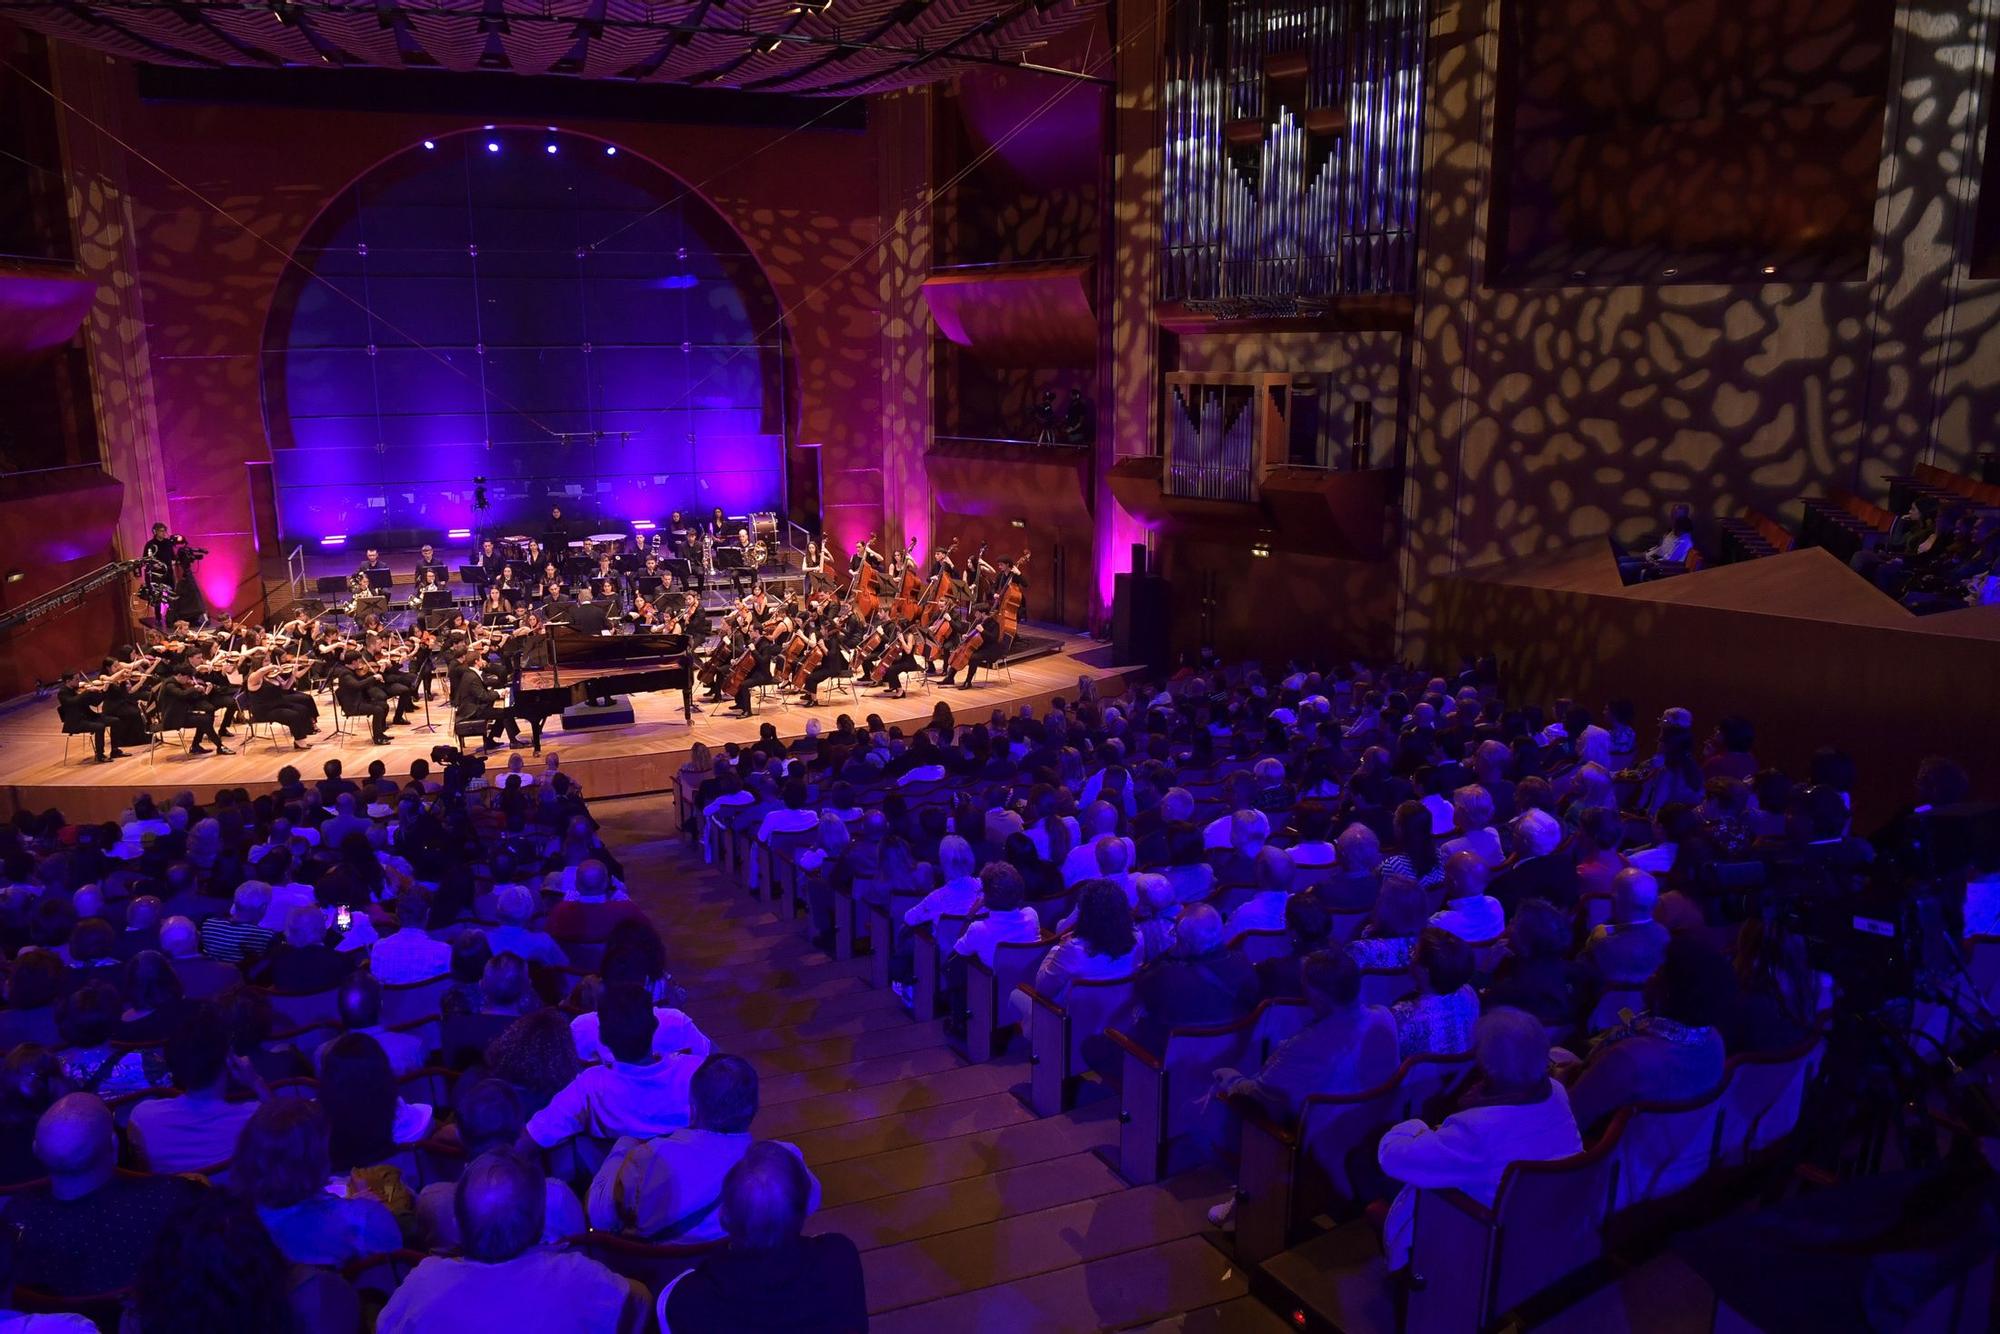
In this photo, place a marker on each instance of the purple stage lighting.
(334, 540)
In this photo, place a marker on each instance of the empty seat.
(1058, 1032)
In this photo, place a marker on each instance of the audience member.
(1438, 1020)
(490, 1120)
(281, 1166)
(199, 1128)
(639, 1092)
(771, 1278)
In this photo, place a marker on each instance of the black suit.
(80, 716)
(475, 701)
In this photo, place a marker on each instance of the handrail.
(295, 571)
(67, 596)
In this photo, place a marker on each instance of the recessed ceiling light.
(430, 143)
(492, 146)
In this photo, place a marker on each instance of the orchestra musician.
(268, 691)
(372, 561)
(360, 694)
(186, 701)
(81, 713)
(493, 608)
(429, 564)
(487, 557)
(551, 588)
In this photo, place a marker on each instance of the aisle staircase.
(972, 1214)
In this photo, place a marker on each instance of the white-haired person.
(202, 978)
(1199, 981)
(1515, 1112)
(1081, 862)
(1357, 875)
(1630, 946)
(514, 909)
(1472, 826)
(1469, 912)
(1264, 909)
(238, 937)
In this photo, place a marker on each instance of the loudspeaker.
(1139, 610)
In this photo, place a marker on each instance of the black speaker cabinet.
(1140, 606)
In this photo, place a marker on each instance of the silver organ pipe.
(1306, 212)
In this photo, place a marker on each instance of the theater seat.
(1058, 1032)
(1164, 1097)
(1015, 964)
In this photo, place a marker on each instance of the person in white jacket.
(1516, 1113)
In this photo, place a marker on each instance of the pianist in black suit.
(476, 701)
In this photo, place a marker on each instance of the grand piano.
(585, 667)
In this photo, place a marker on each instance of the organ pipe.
(1321, 205)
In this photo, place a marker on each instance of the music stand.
(651, 584)
(378, 580)
(438, 600)
(471, 574)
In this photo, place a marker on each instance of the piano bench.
(465, 727)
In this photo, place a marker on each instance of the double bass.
(1009, 609)
(867, 582)
(909, 591)
(938, 594)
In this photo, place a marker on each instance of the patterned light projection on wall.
(566, 321)
(1293, 138)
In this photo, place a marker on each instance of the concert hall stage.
(609, 762)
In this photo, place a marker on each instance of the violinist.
(221, 676)
(188, 702)
(116, 702)
(267, 689)
(80, 713)
(360, 694)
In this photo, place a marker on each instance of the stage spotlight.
(1018, 523)
(16, 576)
(459, 532)
(548, 148)
(611, 150)
(1261, 550)
(1770, 268)
(492, 145)
(430, 143)
(334, 540)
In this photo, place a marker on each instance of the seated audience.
(514, 906)
(214, 1269)
(1347, 1047)
(238, 937)
(30, 1081)
(367, 1120)
(86, 1229)
(303, 963)
(490, 1120)
(1389, 940)
(202, 978)
(1200, 981)
(639, 1092)
(1438, 1020)
(1357, 880)
(669, 1188)
(360, 1006)
(1007, 918)
(33, 988)
(1469, 912)
(281, 1166)
(1672, 1051)
(1308, 927)
(1631, 945)
(1541, 869)
(87, 1020)
(1472, 827)
(410, 953)
(199, 1128)
(1102, 946)
(505, 1280)
(1515, 1113)
(1537, 976)
(772, 1278)
(588, 916)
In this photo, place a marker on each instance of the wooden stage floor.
(609, 762)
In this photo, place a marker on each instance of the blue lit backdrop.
(576, 326)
